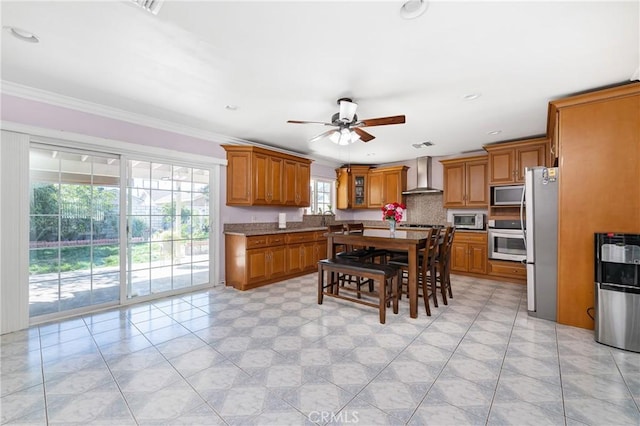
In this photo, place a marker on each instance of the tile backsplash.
(426, 208)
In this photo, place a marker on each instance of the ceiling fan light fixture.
(344, 137)
(347, 110)
(414, 8)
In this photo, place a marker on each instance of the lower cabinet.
(254, 261)
(469, 252)
(266, 263)
(514, 271)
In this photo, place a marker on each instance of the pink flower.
(393, 211)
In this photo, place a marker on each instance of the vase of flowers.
(392, 213)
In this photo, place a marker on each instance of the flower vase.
(392, 227)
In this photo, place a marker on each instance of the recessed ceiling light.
(371, 154)
(414, 8)
(21, 34)
(471, 96)
(231, 107)
(495, 132)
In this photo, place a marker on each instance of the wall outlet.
(254, 219)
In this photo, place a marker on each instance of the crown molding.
(56, 99)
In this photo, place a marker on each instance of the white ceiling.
(292, 60)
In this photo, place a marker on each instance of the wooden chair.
(362, 255)
(442, 277)
(425, 268)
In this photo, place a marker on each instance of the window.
(321, 196)
(74, 244)
(168, 227)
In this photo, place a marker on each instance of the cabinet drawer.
(276, 240)
(470, 237)
(265, 241)
(508, 269)
(300, 237)
(257, 242)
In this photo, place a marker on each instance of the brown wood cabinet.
(386, 185)
(508, 160)
(352, 187)
(254, 261)
(513, 271)
(597, 138)
(297, 177)
(465, 182)
(259, 177)
(469, 252)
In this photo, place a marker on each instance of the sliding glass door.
(75, 235)
(168, 227)
(74, 241)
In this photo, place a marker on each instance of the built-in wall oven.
(506, 241)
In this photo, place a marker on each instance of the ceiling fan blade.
(347, 110)
(364, 136)
(382, 121)
(309, 122)
(323, 135)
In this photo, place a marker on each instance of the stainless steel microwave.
(510, 195)
(468, 221)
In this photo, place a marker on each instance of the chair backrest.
(355, 228)
(445, 245)
(429, 251)
(335, 228)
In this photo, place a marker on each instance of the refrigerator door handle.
(531, 287)
(524, 229)
(529, 231)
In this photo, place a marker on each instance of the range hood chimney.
(424, 178)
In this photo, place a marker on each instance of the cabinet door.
(454, 185)
(376, 189)
(530, 156)
(294, 258)
(359, 198)
(289, 176)
(275, 187)
(303, 188)
(261, 178)
(277, 261)
(478, 258)
(392, 188)
(308, 254)
(459, 257)
(502, 167)
(238, 178)
(476, 181)
(342, 190)
(257, 265)
(320, 252)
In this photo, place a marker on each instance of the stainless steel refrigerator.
(540, 207)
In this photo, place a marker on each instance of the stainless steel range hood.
(424, 178)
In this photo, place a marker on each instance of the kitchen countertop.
(254, 232)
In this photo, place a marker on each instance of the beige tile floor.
(272, 356)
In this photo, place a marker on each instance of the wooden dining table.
(409, 241)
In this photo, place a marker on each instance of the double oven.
(506, 240)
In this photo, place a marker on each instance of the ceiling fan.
(348, 128)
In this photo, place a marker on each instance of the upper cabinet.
(366, 187)
(352, 184)
(386, 185)
(508, 161)
(260, 177)
(465, 182)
